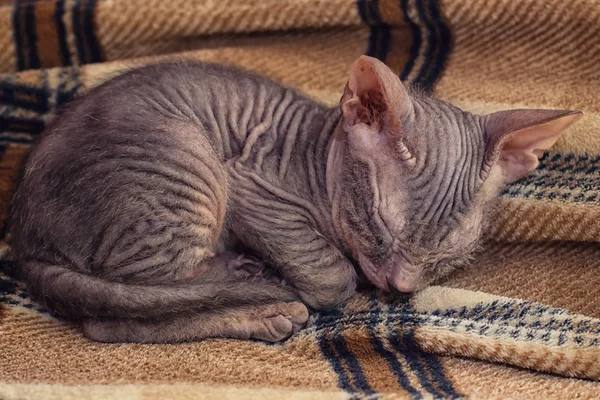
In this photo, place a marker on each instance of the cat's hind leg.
(235, 265)
(269, 322)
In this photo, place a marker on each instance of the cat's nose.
(404, 278)
(398, 292)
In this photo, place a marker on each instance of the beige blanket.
(523, 321)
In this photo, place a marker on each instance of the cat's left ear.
(374, 97)
(519, 137)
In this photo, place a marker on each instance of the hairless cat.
(185, 200)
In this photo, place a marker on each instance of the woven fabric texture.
(522, 321)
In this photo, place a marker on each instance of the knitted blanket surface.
(523, 321)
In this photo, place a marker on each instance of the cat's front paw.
(279, 321)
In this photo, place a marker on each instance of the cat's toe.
(95, 330)
(274, 329)
(280, 321)
(106, 331)
(298, 315)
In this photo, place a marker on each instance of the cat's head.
(411, 177)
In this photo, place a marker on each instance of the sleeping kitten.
(186, 200)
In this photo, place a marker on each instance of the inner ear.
(365, 99)
(519, 137)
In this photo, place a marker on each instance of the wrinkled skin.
(187, 200)
(411, 178)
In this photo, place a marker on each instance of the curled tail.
(73, 294)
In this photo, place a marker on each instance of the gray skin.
(185, 200)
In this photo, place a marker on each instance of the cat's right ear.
(519, 137)
(374, 98)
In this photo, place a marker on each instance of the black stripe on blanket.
(379, 36)
(334, 348)
(86, 43)
(427, 368)
(22, 96)
(24, 33)
(416, 41)
(27, 107)
(432, 42)
(389, 356)
(61, 31)
(567, 177)
(397, 348)
(22, 125)
(11, 292)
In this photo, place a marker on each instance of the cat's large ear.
(375, 97)
(519, 137)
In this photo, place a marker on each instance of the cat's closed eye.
(432, 170)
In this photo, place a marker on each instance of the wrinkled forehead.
(450, 151)
(436, 119)
(443, 136)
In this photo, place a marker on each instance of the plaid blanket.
(523, 321)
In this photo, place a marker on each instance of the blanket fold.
(522, 321)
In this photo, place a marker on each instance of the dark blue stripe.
(405, 344)
(439, 377)
(379, 42)
(547, 181)
(18, 38)
(570, 161)
(430, 49)
(330, 355)
(24, 125)
(593, 199)
(24, 34)
(88, 48)
(364, 11)
(327, 319)
(540, 189)
(63, 96)
(93, 46)
(423, 364)
(78, 33)
(390, 357)
(30, 33)
(416, 41)
(445, 44)
(438, 44)
(358, 377)
(24, 97)
(335, 350)
(61, 32)
(379, 36)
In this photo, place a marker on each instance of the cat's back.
(143, 103)
(136, 139)
(184, 90)
(168, 105)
